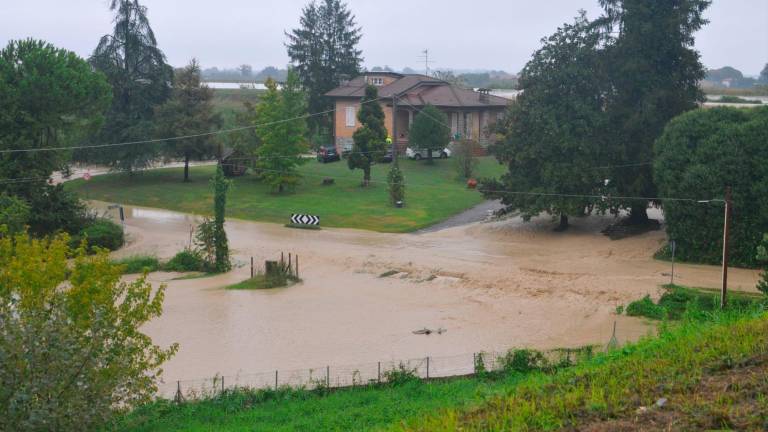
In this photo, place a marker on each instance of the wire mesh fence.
(363, 374)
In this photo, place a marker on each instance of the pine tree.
(141, 80)
(370, 138)
(654, 73)
(323, 50)
(281, 142)
(429, 131)
(188, 112)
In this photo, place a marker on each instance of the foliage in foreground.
(71, 349)
(618, 383)
(698, 156)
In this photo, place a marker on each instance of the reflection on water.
(155, 215)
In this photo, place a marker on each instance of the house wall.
(343, 133)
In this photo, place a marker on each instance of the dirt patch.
(731, 397)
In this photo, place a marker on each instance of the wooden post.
(379, 379)
(427, 367)
(726, 235)
(327, 377)
(297, 266)
(394, 129)
(251, 267)
(275, 380)
(222, 384)
(673, 245)
(290, 262)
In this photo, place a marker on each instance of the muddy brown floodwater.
(491, 285)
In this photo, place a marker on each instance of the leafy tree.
(764, 75)
(141, 81)
(53, 209)
(323, 50)
(396, 184)
(49, 98)
(429, 131)
(281, 142)
(14, 213)
(700, 154)
(551, 137)
(449, 77)
(370, 138)
(654, 73)
(464, 158)
(71, 343)
(220, 187)
(188, 112)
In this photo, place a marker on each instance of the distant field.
(229, 101)
(433, 193)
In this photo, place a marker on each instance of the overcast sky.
(460, 34)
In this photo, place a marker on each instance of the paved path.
(475, 214)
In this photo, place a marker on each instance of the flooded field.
(492, 286)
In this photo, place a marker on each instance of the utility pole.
(394, 129)
(726, 235)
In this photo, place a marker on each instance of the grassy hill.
(706, 371)
(433, 193)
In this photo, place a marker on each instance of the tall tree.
(323, 50)
(370, 138)
(429, 131)
(654, 72)
(49, 98)
(188, 112)
(764, 75)
(551, 136)
(141, 80)
(282, 136)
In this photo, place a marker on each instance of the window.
(377, 81)
(350, 116)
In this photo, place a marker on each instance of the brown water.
(492, 286)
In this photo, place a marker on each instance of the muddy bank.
(492, 286)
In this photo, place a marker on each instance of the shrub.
(138, 264)
(55, 209)
(396, 184)
(762, 256)
(402, 374)
(188, 260)
(523, 360)
(101, 233)
(645, 308)
(698, 155)
(464, 158)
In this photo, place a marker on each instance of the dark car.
(387, 158)
(328, 154)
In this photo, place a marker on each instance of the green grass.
(433, 193)
(138, 264)
(616, 384)
(228, 101)
(262, 281)
(678, 300)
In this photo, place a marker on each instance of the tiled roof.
(419, 90)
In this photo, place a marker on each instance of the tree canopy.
(323, 50)
(700, 154)
(552, 138)
(370, 138)
(430, 130)
(141, 80)
(654, 73)
(189, 111)
(70, 336)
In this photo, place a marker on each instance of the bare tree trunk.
(563, 223)
(186, 167)
(366, 176)
(638, 214)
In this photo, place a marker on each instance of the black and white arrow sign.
(304, 219)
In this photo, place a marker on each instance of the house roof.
(420, 90)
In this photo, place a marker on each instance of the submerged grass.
(138, 264)
(678, 300)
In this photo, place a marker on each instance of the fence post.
(179, 397)
(328, 377)
(290, 262)
(222, 384)
(251, 267)
(379, 373)
(427, 367)
(275, 380)
(297, 266)
(474, 363)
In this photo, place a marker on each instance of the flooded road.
(492, 286)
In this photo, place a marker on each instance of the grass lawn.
(433, 193)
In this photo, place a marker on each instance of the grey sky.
(460, 34)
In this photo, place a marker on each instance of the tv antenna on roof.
(425, 57)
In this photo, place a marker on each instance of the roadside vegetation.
(434, 194)
(678, 300)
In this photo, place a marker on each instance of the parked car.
(419, 154)
(328, 154)
(387, 158)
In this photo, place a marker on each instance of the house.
(469, 112)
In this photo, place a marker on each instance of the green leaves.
(370, 138)
(71, 349)
(430, 130)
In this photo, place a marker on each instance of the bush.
(523, 360)
(699, 154)
(55, 209)
(400, 375)
(464, 158)
(188, 260)
(646, 308)
(396, 184)
(138, 264)
(101, 233)
(762, 256)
